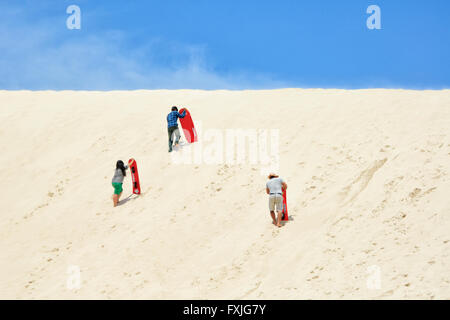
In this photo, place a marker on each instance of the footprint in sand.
(276, 232)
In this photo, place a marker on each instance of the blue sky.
(218, 44)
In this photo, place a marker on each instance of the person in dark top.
(172, 126)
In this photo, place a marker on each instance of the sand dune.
(368, 175)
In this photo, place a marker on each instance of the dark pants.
(171, 131)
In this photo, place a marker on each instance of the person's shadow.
(290, 218)
(130, 197)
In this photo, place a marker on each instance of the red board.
(188, 126)
(285, 210)
(134, 176)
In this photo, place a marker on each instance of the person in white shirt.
(274, 188)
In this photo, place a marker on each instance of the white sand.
(369, 186)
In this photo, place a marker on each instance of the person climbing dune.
(172, 126)
(117, 180)
(274, 188)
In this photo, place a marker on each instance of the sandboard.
(135, 177)
(285, 216)
(188, 126)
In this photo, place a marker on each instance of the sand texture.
(368, 174)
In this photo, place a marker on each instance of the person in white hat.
(274, 188)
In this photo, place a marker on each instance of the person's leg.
(274, 220)
(114, 196)
(280, 214)
(117, 193)
(170, 131)
(272, 209)
(177, 136)
(279, 205)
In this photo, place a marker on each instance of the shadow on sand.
(130, 197)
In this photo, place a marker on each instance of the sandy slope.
(368, 175)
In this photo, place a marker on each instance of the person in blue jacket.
(172, 126)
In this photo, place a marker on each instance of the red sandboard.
(285, 210)
(135, 176)
(188, 126)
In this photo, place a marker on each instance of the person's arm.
(267, 190)
(182, 115)
(284, 185)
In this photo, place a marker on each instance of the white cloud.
(44, 55)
